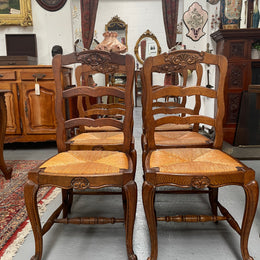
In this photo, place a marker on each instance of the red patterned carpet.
(13, 215)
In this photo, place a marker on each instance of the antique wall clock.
(51, 5)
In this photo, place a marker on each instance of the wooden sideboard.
(236, 45)
(30, 115)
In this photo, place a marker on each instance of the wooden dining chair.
(104, 137)
(85, 171)
(192, 168)
(171, 135)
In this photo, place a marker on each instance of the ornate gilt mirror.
(146, 46)
(119, 26)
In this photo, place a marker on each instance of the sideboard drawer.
(7, 75)
(39, 75)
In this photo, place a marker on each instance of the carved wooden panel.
(39, 110)
(237, 49)
(174, 64)
(11, 125)
(235, 79)
(99, 62)
(233, 102)
(12, 110)
(236, 45)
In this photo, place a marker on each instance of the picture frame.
(20, 15)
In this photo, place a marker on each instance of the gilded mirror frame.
(147, 34)
(116, 24)
(22, 18)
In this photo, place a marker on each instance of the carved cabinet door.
(238, 79)
(38, 107)
(13, 125)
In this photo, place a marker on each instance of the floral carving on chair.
(195, 19)
(200, 182)
(80, 183)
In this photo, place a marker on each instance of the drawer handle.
(11, 63)
(39, 76)
(1, 75)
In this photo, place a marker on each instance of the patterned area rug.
(14, 223)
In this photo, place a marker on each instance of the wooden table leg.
(7, 171)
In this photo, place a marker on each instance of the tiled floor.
(186, 241)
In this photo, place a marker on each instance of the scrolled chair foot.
(36, 257)
(132, 257)
(152, 258)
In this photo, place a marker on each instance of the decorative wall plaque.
(51, 5)
(195, 19)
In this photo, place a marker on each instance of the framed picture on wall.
(152, 48)
(16, 12)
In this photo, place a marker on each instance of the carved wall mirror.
(146, 46)
(119, 26)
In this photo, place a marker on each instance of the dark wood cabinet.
(30, 115)
(236, 45)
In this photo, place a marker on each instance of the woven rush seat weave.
(86, 163)
(100, 128)
(178, 138)
(173, 127)
(98, 138)
(193, 161)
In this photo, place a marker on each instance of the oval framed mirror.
(146, 46)
(119, 26)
